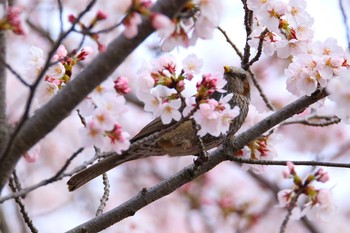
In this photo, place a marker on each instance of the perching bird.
(175, 139)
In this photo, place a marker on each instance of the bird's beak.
(227, 69)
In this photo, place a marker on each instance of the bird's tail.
(81, 178)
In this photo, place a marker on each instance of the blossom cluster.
(261, 148)
(101, 111)
(316, 68)
(197, 20)
(288, 26)
(58, 74)
(173, 96)
(314, 64)
(11, 20)
(318, 203)
(134, 12)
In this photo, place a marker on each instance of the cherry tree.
(79, 79)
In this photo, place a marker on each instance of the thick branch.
(3, 123)
(48, 117)
(147, 196)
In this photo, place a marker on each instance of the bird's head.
(237, 81)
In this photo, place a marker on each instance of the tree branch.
(48, 117)
(4, 134)
(147, 196)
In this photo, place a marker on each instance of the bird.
(177, 138)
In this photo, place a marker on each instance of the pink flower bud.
(322, 175)
(101, 15)
(32, 155)
(286, 174)
(71, 18)
(121, 85)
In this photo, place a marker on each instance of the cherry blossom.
(340, 94)
(117, 140)
(104, 117)
(192, 65)
(36, 60)
(46, 91)
(284, 197)
(170, 110)
(322, 208)
(56, 71)
(214, 117)
(199, 19)
(93, 134)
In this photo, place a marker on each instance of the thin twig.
(17, 75)
(289, 212)
(60, 9)
(248, 19)
(284, 162)
(239, 53)
(345, 21)
(40, 31)
(13, 183)
(109, 29)
(260, 47)
(261, 92)
(315, 120)
(58, 176)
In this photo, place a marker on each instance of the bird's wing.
(150, 128)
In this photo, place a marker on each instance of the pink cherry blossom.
(56, 71)
(104, 118)
(323, 208)
(46, 91)
(284, 197)
(117, 140)
(93, 134)
(192, 65)
(214, 117)
(271, 13)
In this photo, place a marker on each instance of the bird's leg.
(203, 156)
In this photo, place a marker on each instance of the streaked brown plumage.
(175, 139)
